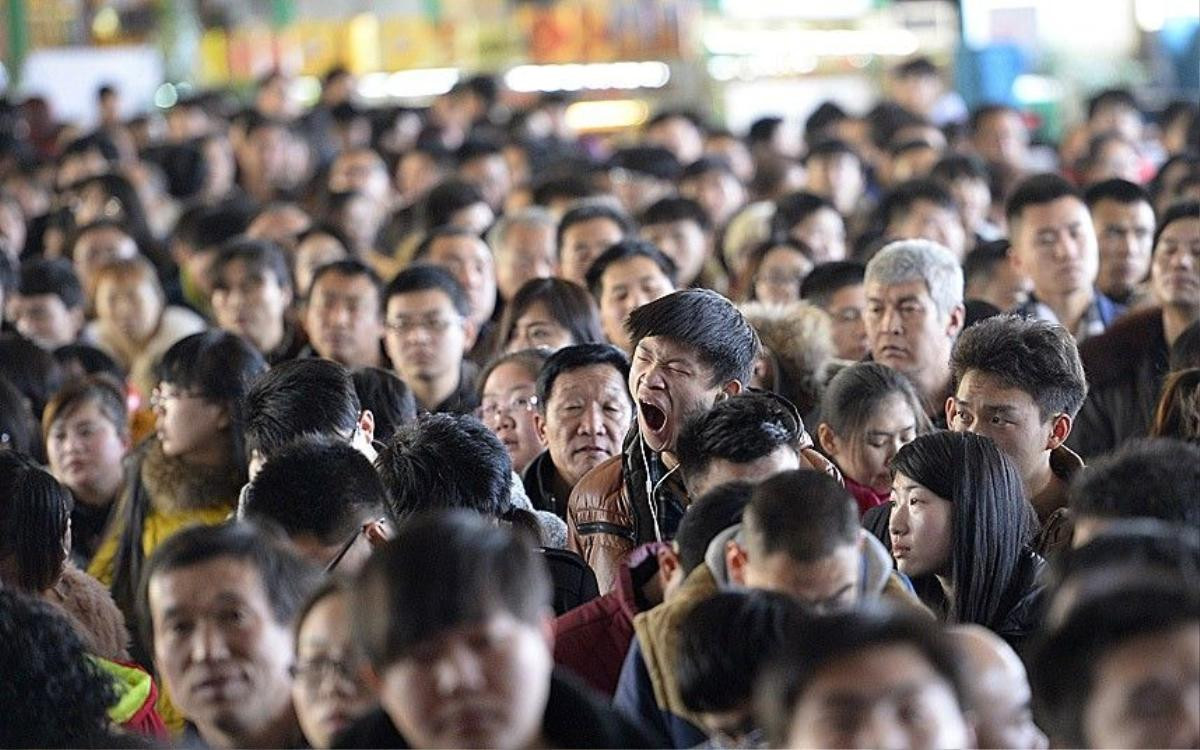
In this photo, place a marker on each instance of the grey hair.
(531, 215)
(920, 260)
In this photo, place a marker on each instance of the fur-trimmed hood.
(93, 613)
(175, 485)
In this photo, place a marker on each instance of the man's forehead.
(897, 290)
(989, 387)
(668, 347)
(216, 579)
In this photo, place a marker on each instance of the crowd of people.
(451, 427)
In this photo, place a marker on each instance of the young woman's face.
(328, 692)
(864, 456)
(507, 409)
(187, 422)
(537, 328)
(131, 307)
(85, 451)
(920, 528)
(779, 275)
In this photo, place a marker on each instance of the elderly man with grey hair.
(914, 291)
(524, 247)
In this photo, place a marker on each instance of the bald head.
(998, 690)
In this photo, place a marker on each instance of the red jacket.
(592, 639)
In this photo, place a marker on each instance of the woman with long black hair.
(961, 529)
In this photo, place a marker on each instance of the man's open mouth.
(653, 416)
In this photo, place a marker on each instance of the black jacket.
(574, 718)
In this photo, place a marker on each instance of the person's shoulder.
(375, 729)
(1116, 353)
(576, 717)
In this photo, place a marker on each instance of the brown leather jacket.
(610, 513)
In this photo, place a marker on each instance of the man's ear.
(470, 331)
(366, 423)
(668, 563)
(949, 408)
(736, 562)
(539, 427)
(731, 388)
(1060, 429)
(378, 532)
(372, 679)
(958, 317)
(827, 439)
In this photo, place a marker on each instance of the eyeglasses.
(491, 410)
(345, 548)
(432, 325)
(312, 674)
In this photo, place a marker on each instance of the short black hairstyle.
(1062, 665)
(18, 426)
(741, 429)
(286, 578)
(316, 485)
(442, 571)
(301, 396)
(51, 276)
(33, 370)
(826, 115)
(1116, 190)
(576, 357)
(707, 516)
(672, 209)
(35, 511)
(55, 694)
(986, 110)
(826, 279)
(423, 278)
(565, 302)
(803, 514)
(705, 165)
(917, 67)
(259, 256)
(763, 129)
(387, 397)
(349, 268)
(625, 250)
(725, 641)
(447, 231)
(829, 147)
(562, 186)
(821, 642)
(652, 161)
(446, 199)
(1111, 97)
(705, 320)
(1037, 190)
(1146, 478)
(87, 359)
(981, 262)
(422, 468)
(954, 167)
(1180, 211)
(588, 211)
(796, 208)
(94, 141)
(477, 147)
(1032, 355)
(902, 198)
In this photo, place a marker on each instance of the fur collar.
(175, 485)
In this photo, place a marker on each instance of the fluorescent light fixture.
(407, 84)
(613, 114)
(1034, 88)
(814, 42)
(621, 76)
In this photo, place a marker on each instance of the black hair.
(992, 522)
(1032, 355)
(51, 276)
(981, 262)
(301, 396)
(286, 578)
(758, 253)
(567, 303)
(1147, 478)
(479, 570)
(1112, 97)
(1134, 544)
(387, 397)
(706, 321)
(903, 147)
(703, 166)
(1185, 352)
(18, 427)
(446, 199)
(35, 511)
(8, 274)
(88, 360)
(1177, 212)
(421, 468)
(423, 278)
(674, 208)
(107, 393)
(443, 232)
(826, 115)
(625, 250)
(901, 199)
(569, 186)
(705, 519)
(954, 167)
(855, 393)
(350, 268)
(796, 208)
(820, 643)
(826, 279)
(741, 429)
(576, 357)
(33, 370)
(1116, 190)
(724, 643)
(477, 147)
(588, 212)
(54, 693)
(917, 67)
(94, 141)
(330, 230)
(803, 514)
(316, 485)
(1036, 191)
(133, 213)
(219, 366)
(1062, 668)
(216, 225)
(259, 256)
(651, 161)
(531, 360)
(986, 110)
(763, 129)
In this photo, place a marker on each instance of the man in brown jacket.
(691, 349)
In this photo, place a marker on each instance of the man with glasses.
(429, 329)
(837, 288)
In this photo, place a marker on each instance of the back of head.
(50, 276)
(444, 571)
(387, 397)
(319, 487)
(423, 468)
(740, 429)
(302, 396)
(725, 641)
(1035, 356)
(705, 320)
(920, 260)
(1149, 478)
(31, 369)
(707, 516)
(35, 512)
(803, 514)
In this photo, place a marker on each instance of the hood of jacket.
(175, 485)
